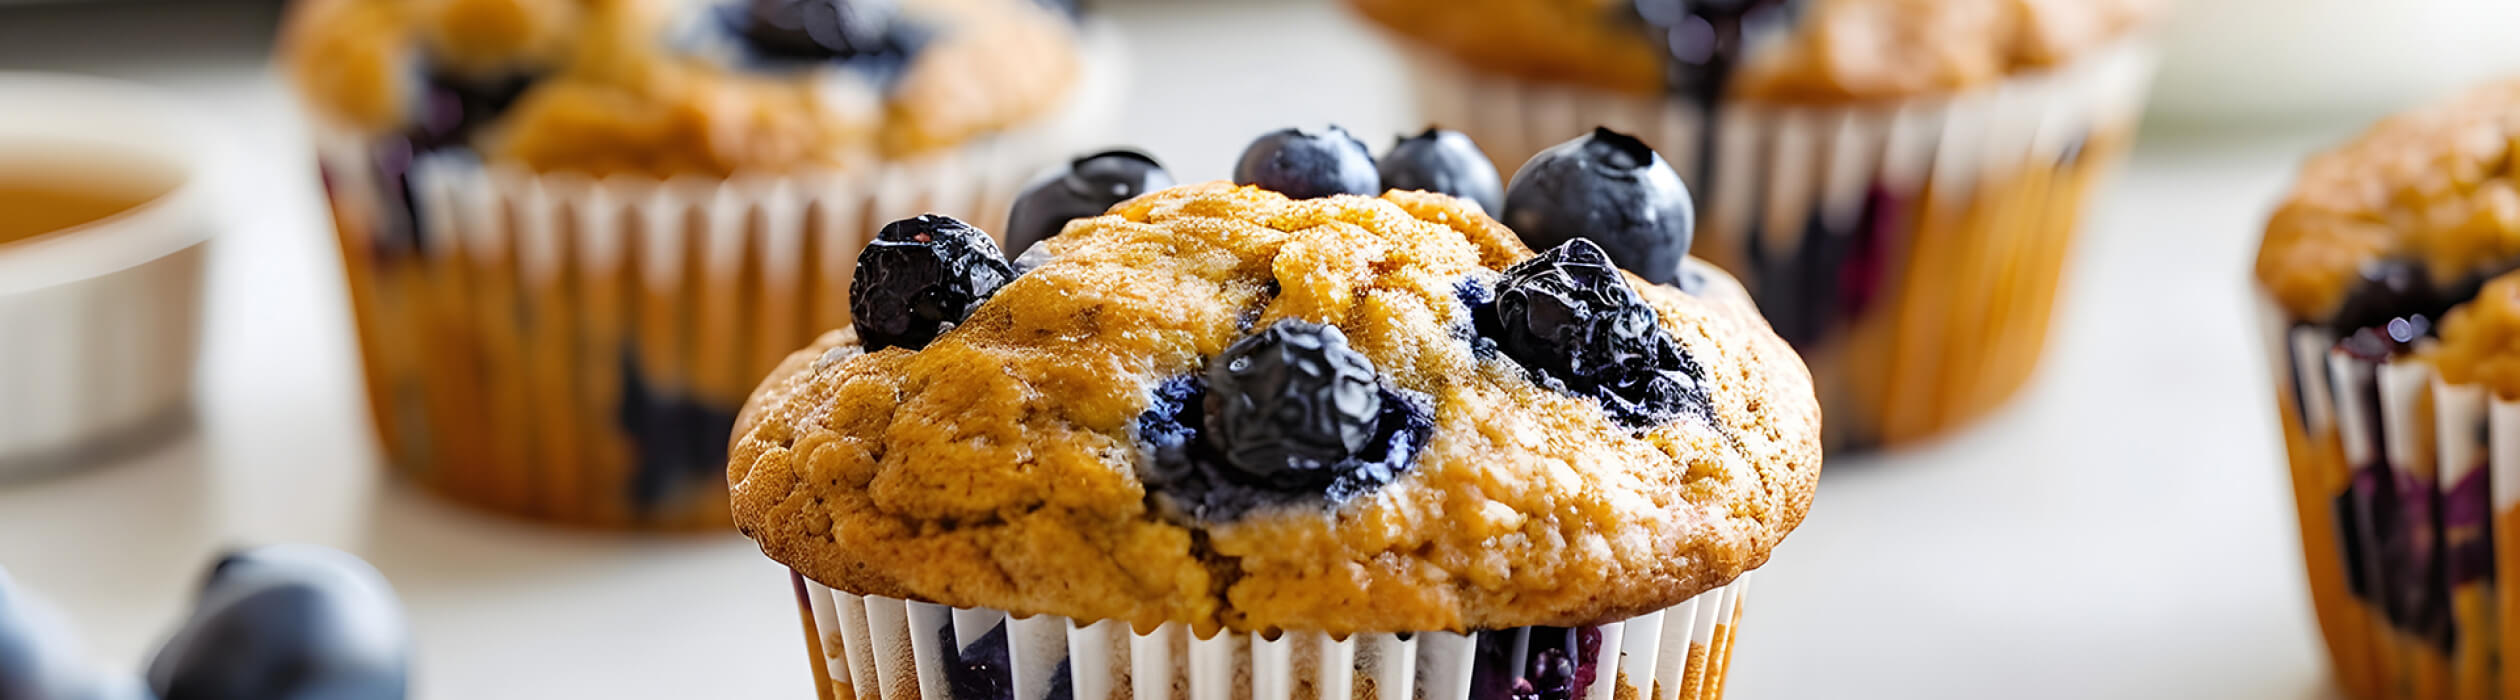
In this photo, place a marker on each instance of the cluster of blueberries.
(1290, 412)
(287, 622)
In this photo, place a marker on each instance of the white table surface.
(2120, 530)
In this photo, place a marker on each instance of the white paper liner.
(2415, 475)
(879, 648)
(702, 283)
(1783, 172)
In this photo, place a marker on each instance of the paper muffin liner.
(1909, 249)
(575, 349)
(2409, 492)
(879, 648)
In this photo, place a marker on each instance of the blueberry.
(1309, 163)
(1291, 403)
(816, 29)
(1446, 161)
(1569, 316)
(289, 622)
(39, 657)
(920, 277)
(982, 670)
(1088, 186)
(1704, 41)
(453, 108)
(2386, 289)
(1611, 188)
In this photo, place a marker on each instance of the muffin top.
(1219, 406)
(1777, 50)
(2407, 221)
(667, 87)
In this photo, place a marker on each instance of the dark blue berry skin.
(39, 657)
(867, 35)
(678, 442)
(288, 622)
(1611, 188)
(1088, 186)
(1187, 477)
(1309, 163)
(1704, 41)
(1558, 663)
(1569, 317)
(1287, 406)
(1446, 161)
(451, 110)
(920, 277)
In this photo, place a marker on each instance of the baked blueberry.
(1704, 41)
(1087, 186)
(1309, 163)
(817, 29)
(1569, 316)
(1611, 188)
(1446, 161)
(920, 277)
(288, 622)
(1289, 404)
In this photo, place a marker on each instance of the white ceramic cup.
(100, 324)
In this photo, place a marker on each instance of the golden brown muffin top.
(2480, 340)
(661, 87)
(999, 466)
(1835, 50)
(2432, 188)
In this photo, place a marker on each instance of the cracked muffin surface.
(1003, 464)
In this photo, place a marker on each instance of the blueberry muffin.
(2393, 309)
(1229, 438)
(1896, 181)
(577, 231)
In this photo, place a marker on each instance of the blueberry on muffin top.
(674, 87)
(1222, 406)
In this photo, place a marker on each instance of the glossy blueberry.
(1308, 163)
(1446, 161)
(1570, 317)
(2384, 290)
(815, 29)
(920, 277)
(1611, 188)
(1288, 405)
(1086, 187)
(288, 622)
(1187, 475)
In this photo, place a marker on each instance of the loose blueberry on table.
(1568, 316)
(1445, 161)
(288, 622)
(1309, 163)
(1611, 188)
(920, 277)
(39, 657)
(1085, 187)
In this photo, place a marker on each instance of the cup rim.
(124, 115)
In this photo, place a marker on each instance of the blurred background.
(2121, 529)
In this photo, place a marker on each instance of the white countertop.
(2123, 529)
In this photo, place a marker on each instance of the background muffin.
(1896, 181)
(1226, 439)
(576, 231)
(2392, 314)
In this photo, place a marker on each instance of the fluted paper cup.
(1909, 249)
(575, 349)
(879, 648)
(2405, 485)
